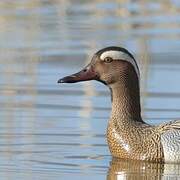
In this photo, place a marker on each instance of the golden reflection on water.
(138, 170)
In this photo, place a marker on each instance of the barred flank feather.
(169, 126)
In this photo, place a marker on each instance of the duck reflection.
(121, 169)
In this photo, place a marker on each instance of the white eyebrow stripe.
(121, 56)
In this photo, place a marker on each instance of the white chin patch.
(119, 55)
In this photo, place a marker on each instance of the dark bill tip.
(60, 81)
(68, 79)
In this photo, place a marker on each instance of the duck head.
(108, 65)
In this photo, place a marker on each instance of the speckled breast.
(135, 145)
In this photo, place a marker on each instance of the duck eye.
(108, 59)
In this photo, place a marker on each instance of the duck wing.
(172, 125)
(170, 140)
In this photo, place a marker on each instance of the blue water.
(51, 131)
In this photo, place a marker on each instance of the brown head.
(110, 65)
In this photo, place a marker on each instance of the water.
(51, 131)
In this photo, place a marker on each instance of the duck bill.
(86, 74)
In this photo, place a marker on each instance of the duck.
(128, 136)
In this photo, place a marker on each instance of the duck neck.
(126, 101)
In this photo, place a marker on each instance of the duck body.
(140, 141)
(128, 136)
